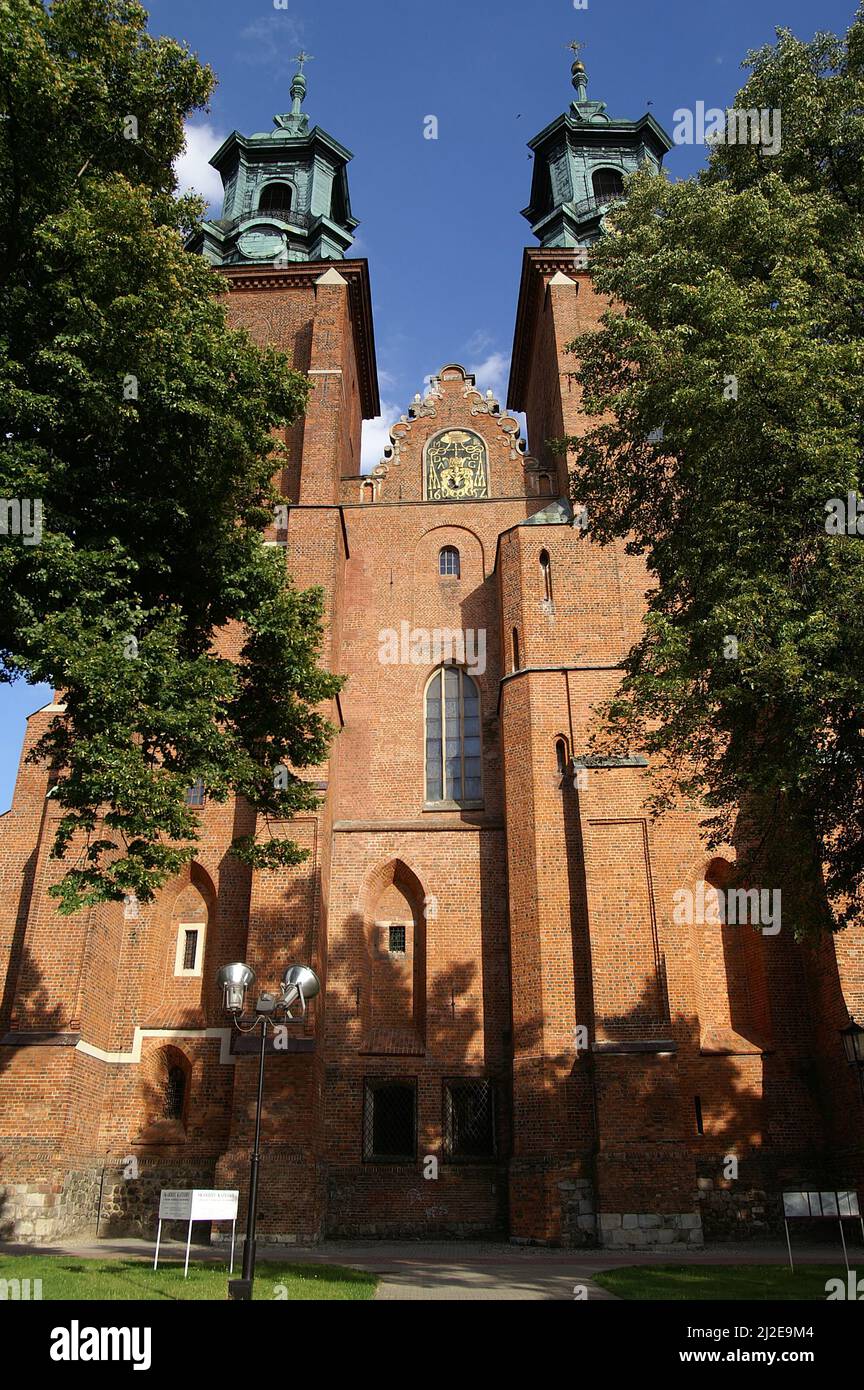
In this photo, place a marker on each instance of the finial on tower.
(296, 122)
(578, 74)
(298, 86)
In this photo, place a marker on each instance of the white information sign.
(196, 1204)
(837, 1204)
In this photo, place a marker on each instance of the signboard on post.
(820, 1204)
(197, 1204)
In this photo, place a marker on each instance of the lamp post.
(299, 984)
(853, 1046)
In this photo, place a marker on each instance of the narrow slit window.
(546, 575)
(561, 755)
(189, 954)
(517, 658)
(190, 949)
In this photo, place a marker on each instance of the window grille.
(390, 1121)
(469, 1119)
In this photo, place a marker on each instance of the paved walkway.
(451, 1270)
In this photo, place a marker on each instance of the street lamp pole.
(299, 984)
(252, 1209)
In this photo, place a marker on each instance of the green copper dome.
(286, 194)
(580, 162)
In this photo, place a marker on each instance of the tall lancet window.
(453, 748)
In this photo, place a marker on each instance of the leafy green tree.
(143, 427)
(725, 388)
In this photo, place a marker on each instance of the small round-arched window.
(448, 561)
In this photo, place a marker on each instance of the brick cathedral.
(506, 990)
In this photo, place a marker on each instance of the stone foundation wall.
(641, 1230)
(39, 1210)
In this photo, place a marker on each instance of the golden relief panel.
(456, 467)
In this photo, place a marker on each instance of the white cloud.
(492, 373)
(265, 40)
(194, 173)
(478, 342)
(376, 434)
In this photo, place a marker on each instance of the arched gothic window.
(453, 747)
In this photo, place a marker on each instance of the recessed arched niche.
(394, 999)
(178, 947)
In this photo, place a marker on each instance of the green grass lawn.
(67, 1277)
(725, 1282)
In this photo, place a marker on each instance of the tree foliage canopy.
(143, 424)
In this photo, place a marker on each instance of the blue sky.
(439, 219)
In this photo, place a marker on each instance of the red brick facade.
(523, 939)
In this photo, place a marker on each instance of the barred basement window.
(469, 1119)
(390, 1121)
(175, 1093)
(397, 940)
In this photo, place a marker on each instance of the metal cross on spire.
(303, 57)
(576, 47)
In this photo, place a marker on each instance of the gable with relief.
(456, 466)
